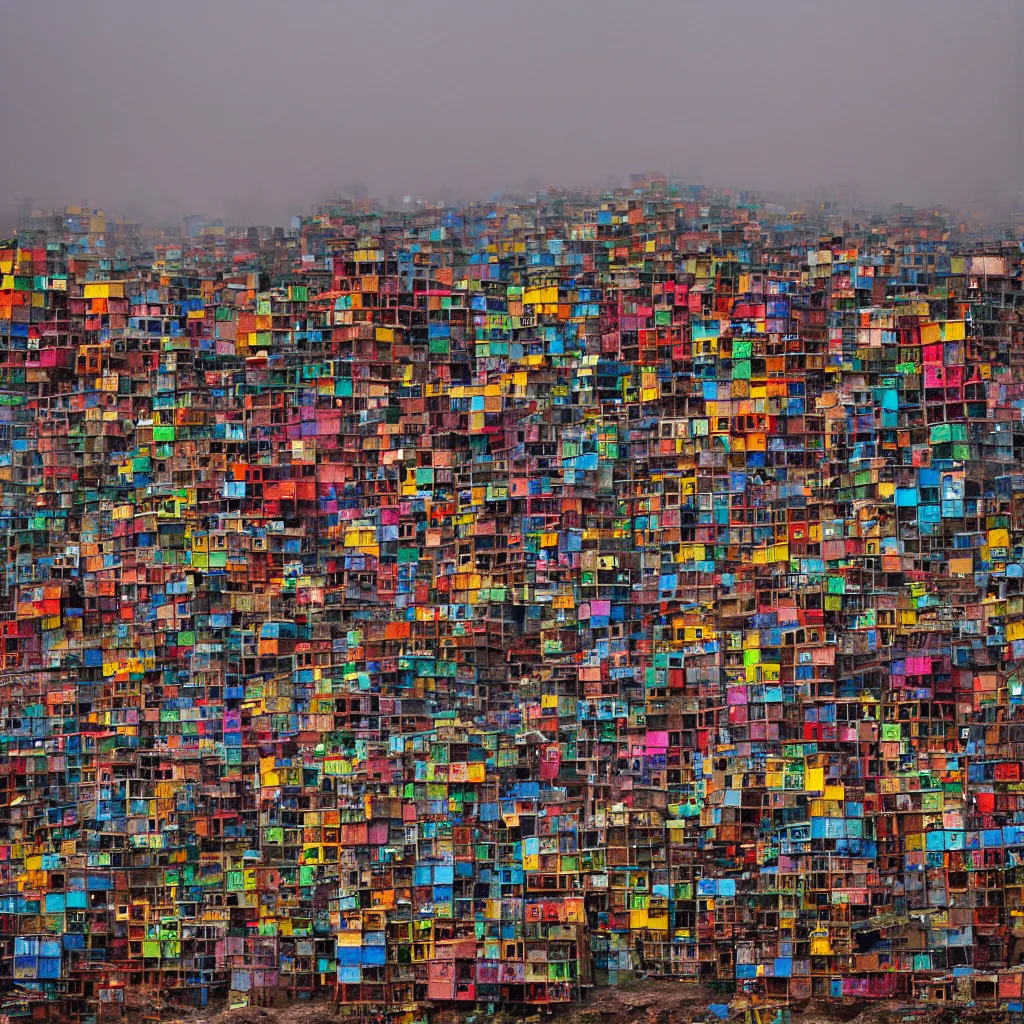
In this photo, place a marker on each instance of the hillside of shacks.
(465, 609)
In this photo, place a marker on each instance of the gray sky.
(255, 108)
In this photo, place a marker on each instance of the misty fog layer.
(255, 109)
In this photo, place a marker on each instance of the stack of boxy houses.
(469, 607)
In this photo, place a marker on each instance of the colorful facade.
(472, 607)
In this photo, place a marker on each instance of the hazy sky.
(255, 108)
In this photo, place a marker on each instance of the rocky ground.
(646, 1002)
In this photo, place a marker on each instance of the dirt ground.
(642, 1002)
(668, 1002)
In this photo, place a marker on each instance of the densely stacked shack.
(474, 606)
